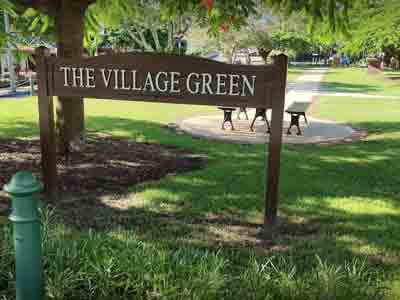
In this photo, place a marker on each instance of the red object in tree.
(209, 4)
(223, 28)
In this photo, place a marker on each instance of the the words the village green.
(160, 82)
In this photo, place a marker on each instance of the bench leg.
(252, 123)
(268, 126)
(263, 114)
(258, 114)
(224, 121)
(227, 118)
(294, 121)
(245, 112)
(242, 110)
(298, 129)
(288, 130)
(305, 118)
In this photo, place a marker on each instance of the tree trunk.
(70, 121)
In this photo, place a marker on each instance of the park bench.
(296, 110)
(260, 112)
(227, 116)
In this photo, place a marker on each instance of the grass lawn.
(392, 74)
(295, 71)
(357, 80)
(192, 236)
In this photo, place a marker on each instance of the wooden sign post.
(169, 79)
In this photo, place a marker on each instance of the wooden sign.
(163, 78)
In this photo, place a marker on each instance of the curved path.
(304, 89)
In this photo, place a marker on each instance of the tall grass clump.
(118, 265)
(277, 278)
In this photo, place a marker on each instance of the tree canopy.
(334, 11)
(375, 28)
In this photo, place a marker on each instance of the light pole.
(10, 57)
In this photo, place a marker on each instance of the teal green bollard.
(24, 189)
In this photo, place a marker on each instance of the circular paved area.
(317, 131)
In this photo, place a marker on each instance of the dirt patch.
(108, 166)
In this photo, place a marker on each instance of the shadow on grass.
(393, 77)
(339, 87)
(325, 192)
(18, 128)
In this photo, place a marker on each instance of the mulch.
(107, 166)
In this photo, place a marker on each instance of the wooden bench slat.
(298, 107)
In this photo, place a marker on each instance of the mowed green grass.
(357, 80)
(372, 184)
(392, 74)
(295, 71)
(350, 192)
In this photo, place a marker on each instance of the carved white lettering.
(134, 86)
(123, 81)
(175, 82)
(207, 79)
(77, 76)
(161, 82)
(165, 82)
(250, 86)
(90, 79)
(106, 77)
(234, 85)
(66, 71)
(148, 84)
(195, 83)
(221, 84)
(116, 71)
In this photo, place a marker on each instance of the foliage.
(290, 42)
(374, 28)
(293, 35)
(119, 265)
(261, 40)
(325, 41)
(33, 23)
(127, 37)
(151, 20)
(155, 18)
(231, 41)
(334, 11)
(5, 7)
